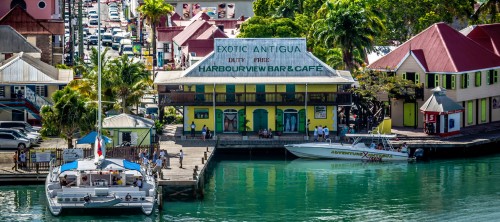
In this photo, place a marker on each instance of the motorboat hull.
(343, 152)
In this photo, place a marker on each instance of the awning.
(131, 166)
(69, 166)
(90, 139)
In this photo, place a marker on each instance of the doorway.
(290, 117)
(230, 121)
(260, 119)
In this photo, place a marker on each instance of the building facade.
(442, 56)
(247, 85)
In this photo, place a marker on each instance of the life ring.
(128, 197)
(86, 198)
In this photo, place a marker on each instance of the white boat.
(91, 186)
(100, 182)
(358, 150)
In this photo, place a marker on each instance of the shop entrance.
(259, 119)
(290, 121)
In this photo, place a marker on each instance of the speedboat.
(109, 184)
(358, 150)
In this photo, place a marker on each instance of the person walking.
(193, 129)
(326, 132)
(181, 157)
(320, 133)
(204, 132)
(22, 159)
(315, 134)
(14, 158)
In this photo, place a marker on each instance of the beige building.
(442, 56)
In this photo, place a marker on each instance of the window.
(167, 47)
(478, 79)
(449, 81)
(2, 91)
(201, 113)
(465, 80)
(483, 110)
(431, 81)
(412, 76)
(41, 90)
(391, 74)
(492, 77)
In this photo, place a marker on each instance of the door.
(17, 115)
(259, 119)
(126, 137)
(17, 92)
(230, 89)
(290, 92)
(200, 93)
(261, 93)
(302, 121)
(409, 114)
(218, 120)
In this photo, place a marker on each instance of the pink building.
(39, 9)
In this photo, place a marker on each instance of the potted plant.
(245, 128)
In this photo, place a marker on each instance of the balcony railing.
(279, 98)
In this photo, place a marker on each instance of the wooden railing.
(273, 98)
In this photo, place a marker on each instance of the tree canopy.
(152, 11)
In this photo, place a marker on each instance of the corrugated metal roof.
(23, 68)
(444, 49)
(212, 32)
(488, 36)
(13, 42)
(440, 103)
(166, 34)
(190, 32)
(23, 22)
(126, 121)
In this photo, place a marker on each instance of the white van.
(117, 39)
(124, 42)
(107, 39)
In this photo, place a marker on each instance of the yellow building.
(253, 84)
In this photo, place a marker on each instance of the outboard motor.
(419, 154)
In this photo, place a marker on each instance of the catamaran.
(378, 149)
(100, 182)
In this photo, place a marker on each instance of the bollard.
(205, 155)
(195, 174)
(168, 162)
(202, 160)
(207, 149)
(196, 168)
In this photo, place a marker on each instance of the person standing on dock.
(315, 134)
(14, 158)
(22, 158)
(181, 156)
(193, 129)
(204, 132)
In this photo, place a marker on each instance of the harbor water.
(280, 189)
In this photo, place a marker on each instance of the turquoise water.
(299, 190)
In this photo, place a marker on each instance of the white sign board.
(43, 156)
(72, 154)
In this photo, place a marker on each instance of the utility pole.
(71, 51)
(80, 30)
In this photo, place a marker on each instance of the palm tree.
(130, 81)
(153, 10)
(348, 25)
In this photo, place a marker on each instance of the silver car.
(9, 141)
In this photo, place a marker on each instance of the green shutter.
(417, 78)
(444, 81)
(279, 120)
(453, 81)
(483, 110)
(495, 77)
(241, 120)
(488, 77)
(436, 80)
(470, 117)
(218, 120)
(404, 75)
(478, 79)
(467, 80)
(302, 120)
(462, 81)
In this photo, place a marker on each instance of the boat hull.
(343, 152)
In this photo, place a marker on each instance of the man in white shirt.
(320, 133)
(158, 164)
(22, 159)
(181, 157)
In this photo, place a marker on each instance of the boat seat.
(134, 195)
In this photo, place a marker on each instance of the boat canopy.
(69, 166)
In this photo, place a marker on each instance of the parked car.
(9, 141)
(29, 131)
(107, 39)
(17, 133)
(22, 124)
(126, 49)
(92, 40)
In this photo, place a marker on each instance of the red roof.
(212, 32)
(441, 48)
(488, 36)
(166, 34)
(191, 32)
(25, 24)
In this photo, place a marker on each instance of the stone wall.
(44, 43)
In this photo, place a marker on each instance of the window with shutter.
(417, 78)
(495, 77)
(478, 79)
(40, 90)
(431, 81)
(436, 80)
(489, 77)
(463, 80)
(404, 75)
(453, 81)
(444, 81)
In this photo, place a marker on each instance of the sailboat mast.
(99, 107)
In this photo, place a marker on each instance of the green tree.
(259, 27)
(488, 12)
(348, 25)
(130, 81)
(70, 114)
(153, 10)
